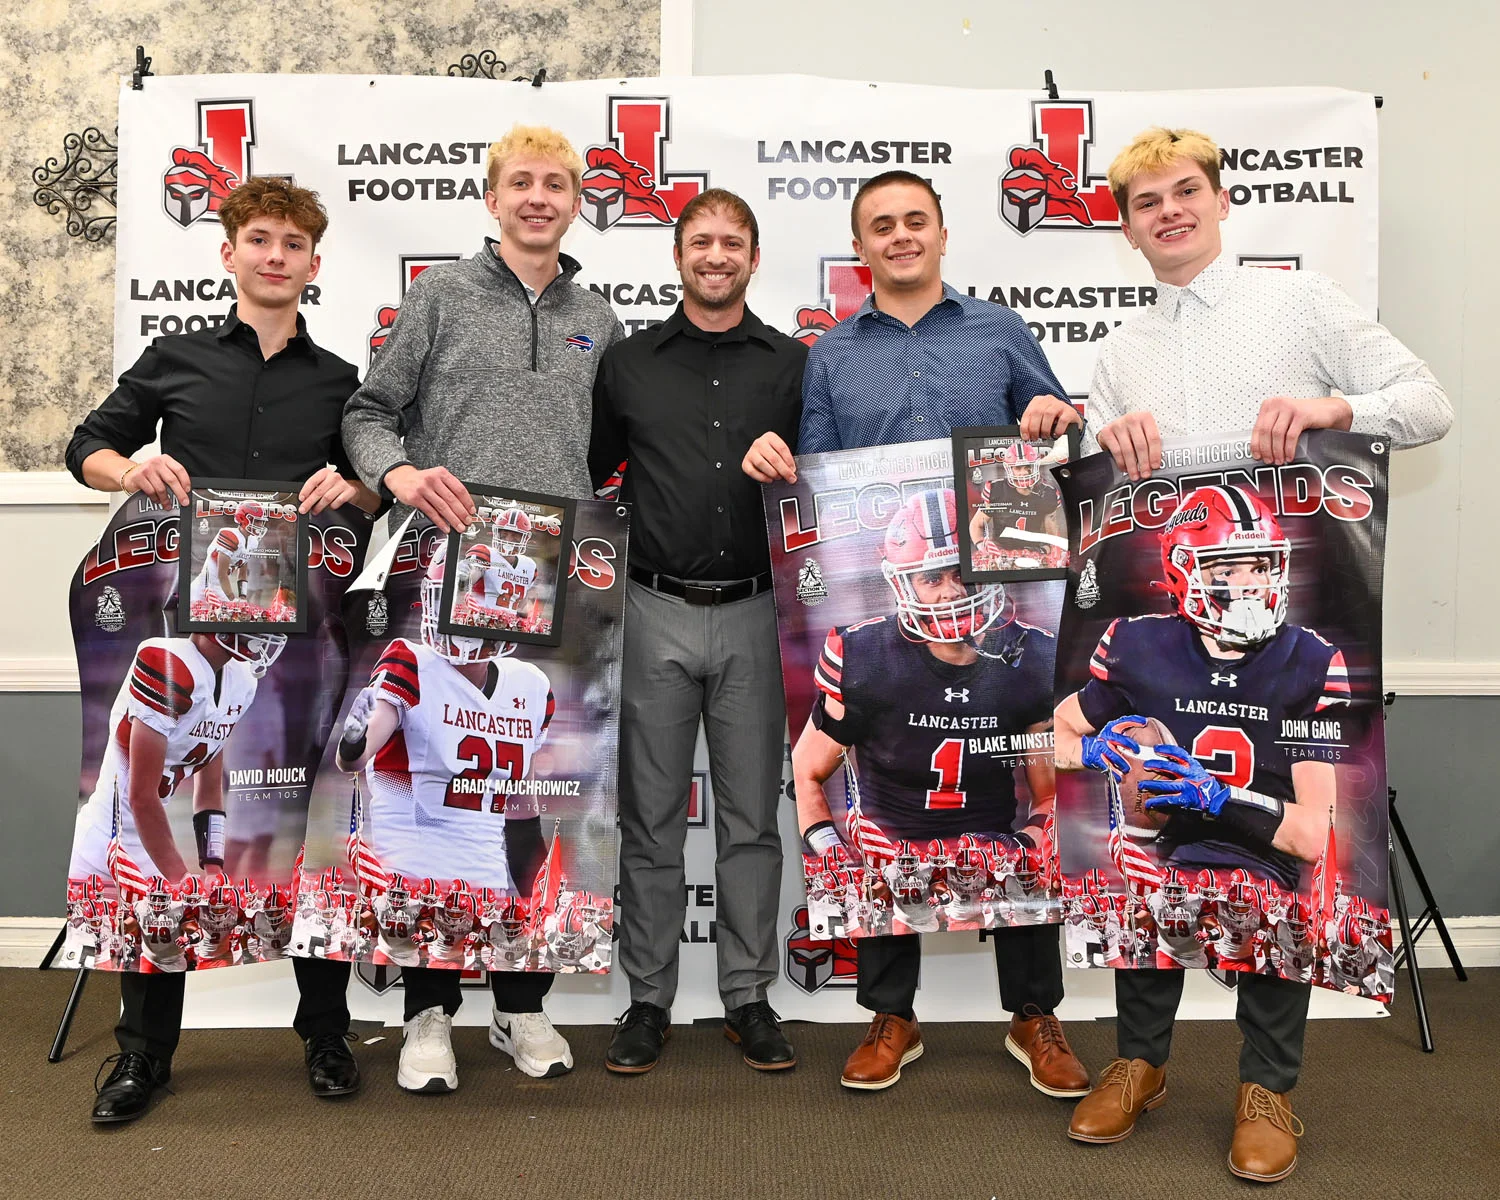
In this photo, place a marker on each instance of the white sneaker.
(427, 1062)
(530, 1039)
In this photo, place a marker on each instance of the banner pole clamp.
(142, 68)
(1050, 84)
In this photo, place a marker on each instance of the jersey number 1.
(470, 794)
(948, 762)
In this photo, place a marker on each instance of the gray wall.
(1442, 751)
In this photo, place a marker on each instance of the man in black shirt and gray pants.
(682, 402)
(259, 375)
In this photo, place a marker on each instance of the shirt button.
(255, 454)
(918, 374)
(716, 383)
(716, 424)
(919, 416)
(721, 508)
(260, 408)
(718, 466)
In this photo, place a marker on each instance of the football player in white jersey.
(176, 709)
(1181, 926)
(219, 587)
(498, 577)
(442, 728)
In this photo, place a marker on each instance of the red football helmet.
(937, 853)
(459, 901)
(907, 859)
(1350, 932)
(93, 887)
(397, 890)
(1094, 883)
(514, 917)
(1298, 919)
(510, 532)
(190, 890)
(1214, 525)
(278, 900)
(1241, 898)
(922, 539)
(250, 516)
(1022, 464)
(1029, 869)
(969, 863)
(158, 893)
(1174, 886)
(594, 913)
(1210, 885)
(455, 649)
(223, 899)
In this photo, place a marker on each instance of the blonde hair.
(1155, 150)
(537, 141)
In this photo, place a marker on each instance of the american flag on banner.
(869, 839)
(297, 868)
(122, 868)
(1325, 871)
(1140, 870)
(367, 869)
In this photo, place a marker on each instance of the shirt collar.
(750, 326)
(490, 256)
(232, 324)
(1209, 286)
(951, 296)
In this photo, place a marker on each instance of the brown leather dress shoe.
(1126, 1089)
(1265, 1135)
(890, 1043)
(1036, 1038)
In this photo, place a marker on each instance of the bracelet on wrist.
(125, 474)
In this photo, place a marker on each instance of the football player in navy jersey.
(914, 698)
(1222, 673)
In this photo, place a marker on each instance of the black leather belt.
(702, 593)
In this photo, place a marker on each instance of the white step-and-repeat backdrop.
(399, 163)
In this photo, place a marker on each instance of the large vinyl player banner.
(198, 749)
(464, 811)
(919, 706)
(399, 163)
(1218, 676)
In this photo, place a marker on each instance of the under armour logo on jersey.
(518, 701)
(959, 694)
(1227, 678)
(234, 710)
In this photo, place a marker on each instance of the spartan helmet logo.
(603, 196)
(186, 188)
(1023, 198)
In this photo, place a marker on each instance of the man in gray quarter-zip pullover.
(488, 372)
(487, 376)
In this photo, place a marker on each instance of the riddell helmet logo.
(412, 265)
(626, 182)
(1048, 184)
(843, 284)
(201, 178)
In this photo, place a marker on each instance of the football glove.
(1194, 790)
(352, 740)
(1102, 751)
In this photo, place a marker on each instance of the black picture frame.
(211, 507)
(975, 449)
(551, 517)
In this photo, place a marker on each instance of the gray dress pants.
(720, 663)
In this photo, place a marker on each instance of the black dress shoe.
(127, 1092)
(638, 1039)
(756, 1029)
(331, 1069)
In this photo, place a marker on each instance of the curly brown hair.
(266, 196)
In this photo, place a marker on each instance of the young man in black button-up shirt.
(254, 398)
(682, 402)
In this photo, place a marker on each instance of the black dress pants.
(514, 991)
(1271, 1013)
(151, 1006)
(1027, 962)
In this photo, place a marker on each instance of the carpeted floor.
(1383, 1119)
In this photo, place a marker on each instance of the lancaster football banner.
(1219, 705)
(199, 748)
(464, 810)
(919, 706)
(399, 163)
